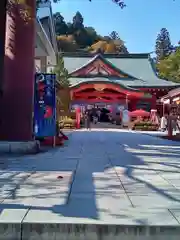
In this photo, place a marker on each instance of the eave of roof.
(105, 81)
(158, 86)
(124, 87)
(173, 93)
(137, 83)
(44, 38)
(109, 55)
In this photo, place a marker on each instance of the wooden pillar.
(3, 4)
(170, 130)
(163, 109)
(153, 102)
(17, 101)
(78, 117)
(127, 100)
(133, 104)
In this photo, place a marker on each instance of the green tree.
(78, 21)
(63, 92)
(169, 68)
(163, 45)
(61, 72)
(114, 35)
(106, 38)
(120, 3)
(119, 44)
(92, 35)
(44, 1)
(60, 25)
(70, 28)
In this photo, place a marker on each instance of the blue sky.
(138, 24)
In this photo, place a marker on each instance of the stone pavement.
(111, 180)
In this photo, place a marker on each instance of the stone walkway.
(100, 176)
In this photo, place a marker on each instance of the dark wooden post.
(170, 130)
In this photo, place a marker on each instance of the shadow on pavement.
(90, 154)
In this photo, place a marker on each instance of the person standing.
(163, 124)
(95, 117)
(87, 120)
(99, 114)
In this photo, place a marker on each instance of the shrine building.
(115, 79)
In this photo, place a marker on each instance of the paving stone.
(151, 200)
(12, 213)
(140, 216)
(42, 189)
(10, 222)
(176, 213)
(118, 178)
(126, 216)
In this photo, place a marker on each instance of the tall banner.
(45, 105)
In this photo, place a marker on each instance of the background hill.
(74, 36)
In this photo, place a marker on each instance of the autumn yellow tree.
(109, 46)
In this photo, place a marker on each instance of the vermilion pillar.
(78, 117)
(17, 101)
(133, 104)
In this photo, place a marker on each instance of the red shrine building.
(114, 79)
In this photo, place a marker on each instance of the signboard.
(45, 105)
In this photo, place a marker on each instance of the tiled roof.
(172, 94)
(126, 82)
(137, 65)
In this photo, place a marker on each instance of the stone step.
(29, 147)
(52, 224)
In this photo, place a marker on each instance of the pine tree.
(114, 35)
(61, 72)
(120, 3)
(63, 93)
(78, 21)
(163, 47)
(61, 27)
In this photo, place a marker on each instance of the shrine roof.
(139, 66)
(172, 94)
(126, 82)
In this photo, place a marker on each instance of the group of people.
(164, 124)
(89, 116)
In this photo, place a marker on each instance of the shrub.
(144, 126)
(67, 123)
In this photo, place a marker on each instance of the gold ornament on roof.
(99, 87)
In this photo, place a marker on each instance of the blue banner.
(45, 105)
